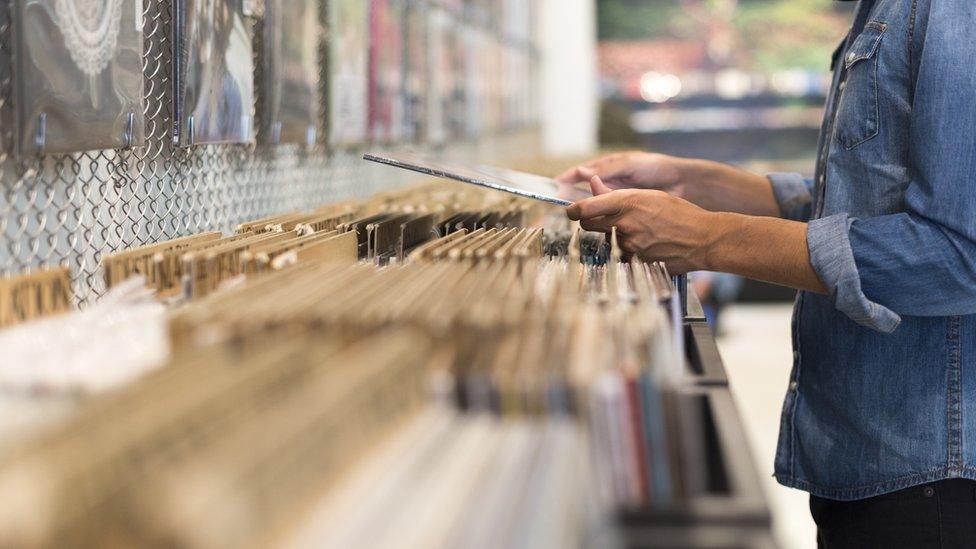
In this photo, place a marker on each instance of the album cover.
(527, 185)
(474, 45)
(517, 70)
(516, 20)
(456, 114)
(78, 80)
(440, 85)
(415, 74)
(213, 72)
(386, 99)
(290, 47)
(495, 86)
(349, 72)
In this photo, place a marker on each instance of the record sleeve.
(78, 75)
(500, 179)
(213, 68)
(439, 81)
(349, 72)
(291, 72)
(386, 100)
(474, 42)
(415, 76)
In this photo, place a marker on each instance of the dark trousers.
(941, 514)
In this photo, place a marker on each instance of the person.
(879, 420)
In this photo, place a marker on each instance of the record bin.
(732, 511)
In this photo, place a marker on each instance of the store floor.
(755, 344)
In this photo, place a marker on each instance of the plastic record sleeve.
(78, 75)
(348, 72)
(213, 73)
(500, 179)
(291, 43)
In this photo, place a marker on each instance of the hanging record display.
(456, 114)
(440, 75)
(349, 72)
(78, 80)
(415, 70)
(290, 79)
(213, 70)
(386, 101)
(475, 43)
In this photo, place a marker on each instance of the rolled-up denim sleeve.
(794, 194)
(832, 257)
(920, 261)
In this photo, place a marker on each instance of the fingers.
(608, 204)
(598, 224)
(579, 174)
(569, 176)
(598, 187)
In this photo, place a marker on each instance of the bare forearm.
(761, 248)
(723, 188)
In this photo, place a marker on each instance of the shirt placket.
(837, 93)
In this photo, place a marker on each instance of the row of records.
(392, 71)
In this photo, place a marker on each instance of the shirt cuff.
(792, 194)
(833, 260)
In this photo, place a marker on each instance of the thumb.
(598, 187)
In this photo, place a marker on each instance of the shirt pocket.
(857, 112)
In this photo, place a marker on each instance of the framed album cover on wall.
(416, 77)
(77, 75)
(348, 72)
(213, 72)
(291, 34)
(386, 62)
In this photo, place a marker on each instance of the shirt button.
(929, 491)
(794, 386)
(850, 57)
(842, 86)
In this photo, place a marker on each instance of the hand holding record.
(650, 223)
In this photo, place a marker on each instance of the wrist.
(691, 170)
(725, 230)
(700, 181)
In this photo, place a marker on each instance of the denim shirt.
(883, 389)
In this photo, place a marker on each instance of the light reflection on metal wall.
(71, 209)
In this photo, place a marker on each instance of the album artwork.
(291, 35)
(517, 71)
(349, 72)
(440, 85)
(386, 100)
(494, 87)
(444, 86)
(77, 75)
(415, 76)
(213, 69)
(475, 43)
(516, 20)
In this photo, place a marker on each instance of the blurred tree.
(641, 19)
(789, 33)
(761, 35)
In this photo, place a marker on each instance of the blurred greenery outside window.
(758, 35)
(752, 37)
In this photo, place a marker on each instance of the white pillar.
(569, 86)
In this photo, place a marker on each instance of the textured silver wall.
(71, 209)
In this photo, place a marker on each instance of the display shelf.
(732, 496)
(730, 508)
(695, 312)
(704, 361)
